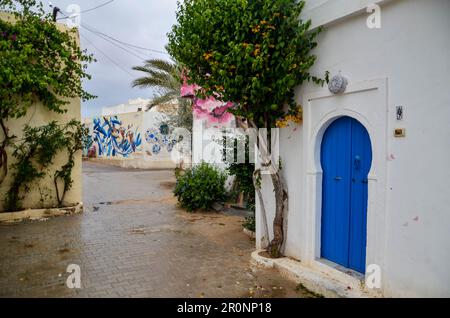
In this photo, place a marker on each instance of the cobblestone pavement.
(132, 241)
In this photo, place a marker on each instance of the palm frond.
(161, 65)
(156, 79)
(162, 99)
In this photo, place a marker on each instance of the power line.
(97, 7)
(85, 11)
(125, 43)
(133, 51)
(106, 55)
(140, 57)
(129, 45)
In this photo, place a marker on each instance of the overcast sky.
(144, 23)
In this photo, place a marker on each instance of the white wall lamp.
(338, 84)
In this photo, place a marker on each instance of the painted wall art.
(114, 138)
(159, 138)
(211, 109)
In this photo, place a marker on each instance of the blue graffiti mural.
(115, 139)
(160, 138)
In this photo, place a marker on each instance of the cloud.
(141, 22)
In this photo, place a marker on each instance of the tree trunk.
(281, 196)
(256, 176)
(3, 153)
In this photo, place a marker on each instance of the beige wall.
(145, 155)
(37, 116)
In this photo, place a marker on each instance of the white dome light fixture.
(338, 84)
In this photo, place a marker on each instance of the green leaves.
(165, 77)
(198, 188)
(258, 51)
(37, 61)
(35, 154)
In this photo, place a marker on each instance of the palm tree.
(165, 78)
(162, 76)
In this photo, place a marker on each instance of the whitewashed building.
(132, 106)
(368, 169)
(128, 136)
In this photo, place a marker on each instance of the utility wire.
(142, 55)
(104, 36)
(107, 56)
(97, 7)
(87, 10)
(125, 43)
(135, 54)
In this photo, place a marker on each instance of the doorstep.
(316, 281)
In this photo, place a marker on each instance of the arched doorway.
(346, 158)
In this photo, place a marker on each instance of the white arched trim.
(366, 102)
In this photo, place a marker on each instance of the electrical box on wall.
(400, 132)
(399, 112)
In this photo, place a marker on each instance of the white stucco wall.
(132, 106)
(406, 63)
(144, 155)
(206, 148)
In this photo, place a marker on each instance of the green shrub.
(249, 223)
(198, 188)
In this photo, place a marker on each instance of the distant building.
(128, 135)
(133, 106)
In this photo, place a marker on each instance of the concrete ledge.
(330, 11)
(131, 163)
(249, 233)
(39, 214)
(317, 282)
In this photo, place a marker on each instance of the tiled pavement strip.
(133, 241)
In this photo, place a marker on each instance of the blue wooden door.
(346, 157)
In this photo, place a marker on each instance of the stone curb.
(39, 214)
(317, 282)
(249, 233)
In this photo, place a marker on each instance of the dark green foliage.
(165, 78)
(38, 62)
(242, 171)
(243, 183)
(35, 154)
(87, 138)
(249, 223)
(74, 133)
(199, 187)
(254, 53)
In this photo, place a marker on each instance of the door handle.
(365, 181)
(337, 178)
(357, 162)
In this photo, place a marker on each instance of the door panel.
(336, 151)
(362, 160)
(346, 157)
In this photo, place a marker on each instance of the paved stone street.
(132, 241)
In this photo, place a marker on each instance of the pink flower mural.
(212, 110)
(188, 90)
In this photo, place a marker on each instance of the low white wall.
(150, 148)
